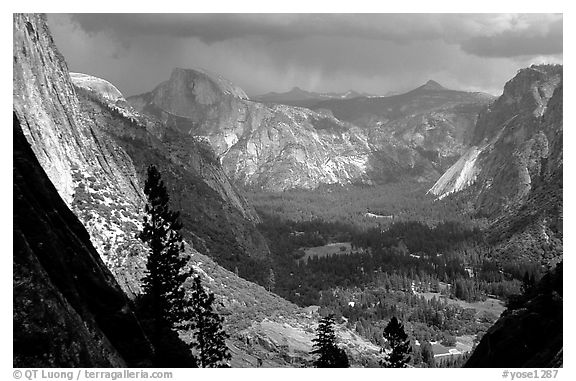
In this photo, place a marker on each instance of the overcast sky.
(374, 53)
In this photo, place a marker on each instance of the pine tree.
(398, 341)
(166, 271)
(209, 341)
(164, 286)
(329, 355)
(271, 280)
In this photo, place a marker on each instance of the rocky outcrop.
(267, 330)
(507, 144)
(534, 230)
(529, 333)
(44, 101)
(68, 309)
(512, 173)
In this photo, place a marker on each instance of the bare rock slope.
(506, 142)
(512, 172)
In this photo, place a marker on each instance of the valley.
(440, 208)
(433, 272)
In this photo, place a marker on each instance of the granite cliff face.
(507, 143)
(512, 172)
(80, 162)
(68, 308)
(271, 147)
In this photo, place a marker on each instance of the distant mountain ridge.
(430, 119)
(274, 146)
(264, 146)
(303, 98)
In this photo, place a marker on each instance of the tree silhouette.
(166, 301)
(329, 355)
(209, 341)
(166, 267)
(398, 341)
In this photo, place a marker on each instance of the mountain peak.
(432, 85)
(296, 89)
(200, 75)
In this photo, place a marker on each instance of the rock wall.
(93, 176)
(68, 308)
(512, 173)
(510, 141)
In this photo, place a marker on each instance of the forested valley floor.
(368, 253)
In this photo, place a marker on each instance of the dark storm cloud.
(375, 53)
(512, 43)
(219, 27)
(483, 34)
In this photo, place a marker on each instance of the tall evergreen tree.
(165, 291)
(209, 341)
(398, 340)
(329, 355)
(166, 266)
